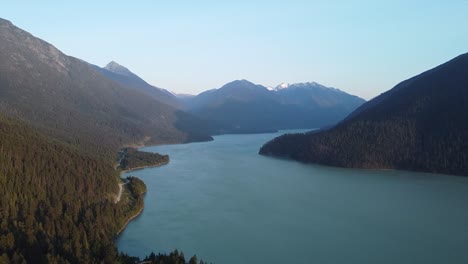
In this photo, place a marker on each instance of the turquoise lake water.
(227, 204)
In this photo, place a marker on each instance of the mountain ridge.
(68, 99)
(127, 78)
(418, 125)
(247, 107)
(118, 68)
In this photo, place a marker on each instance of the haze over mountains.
(106, 108)
(246, 107)
(66, 98)
(419, 125)
(243, 107)
(125, 77)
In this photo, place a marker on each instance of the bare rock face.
(117, 68)
(17, 39)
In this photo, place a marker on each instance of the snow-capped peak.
(315, 85)
(282, 86)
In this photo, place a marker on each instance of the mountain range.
(68, 99)
(244, 107)
(418, 125)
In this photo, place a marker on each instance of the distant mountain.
(240, 90)
(281, 86)
(315, 95)
(119, 69)
(246, 107)
(128, 79)
(67, 99)
(420, 124)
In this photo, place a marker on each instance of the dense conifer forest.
(131, 158)
(57, 202)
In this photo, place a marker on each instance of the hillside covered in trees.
(61, 123)
(418, 125)
(57, 204)
(131, 158)
(56, 200)
(68, 99)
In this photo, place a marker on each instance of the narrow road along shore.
(119, 196)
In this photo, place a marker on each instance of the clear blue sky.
(361, 47)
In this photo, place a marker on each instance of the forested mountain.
(61, 124)
(58, 204)
(68, 99)
(418, 125)
(126, 78)
(246, 107)
(56, 201)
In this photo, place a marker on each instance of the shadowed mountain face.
(245, 107)
(126, 78)
(68, 99)
(419, 125)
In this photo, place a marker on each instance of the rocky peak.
(117, 68)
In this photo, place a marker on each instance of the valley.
(127, 154)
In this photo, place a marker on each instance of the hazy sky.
(361, 47)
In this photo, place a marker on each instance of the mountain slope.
(246, 107)
(126, 78)
(66, 98)
(419, 125)
(56, 200)
(61, 123)
(315, 95)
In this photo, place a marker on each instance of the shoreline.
(144, 167)
(141, 210)
(138, 146)
(128, 221)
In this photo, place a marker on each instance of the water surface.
(227, 204)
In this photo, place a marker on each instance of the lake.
(227, 204)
